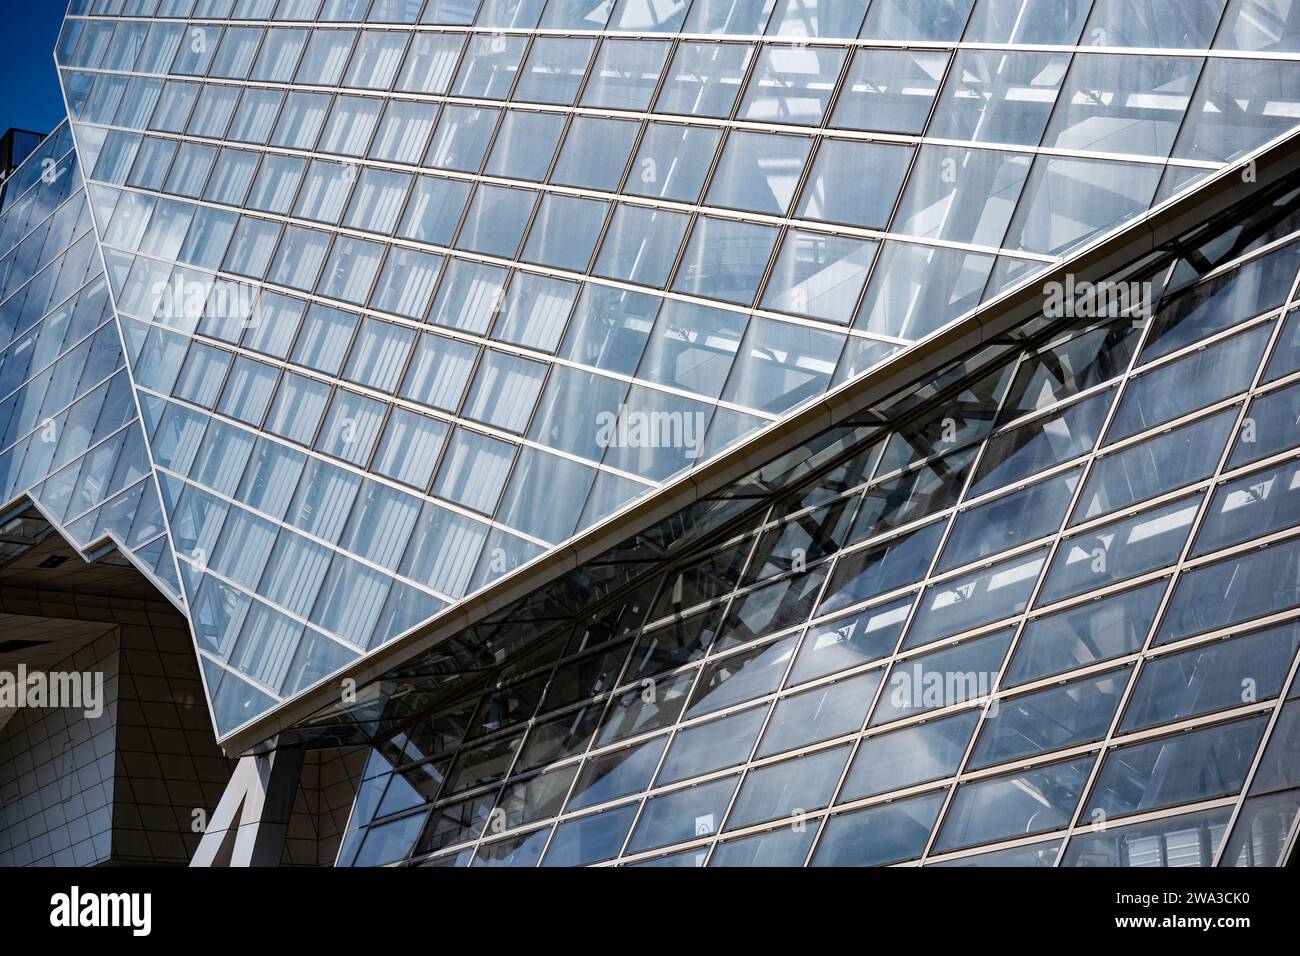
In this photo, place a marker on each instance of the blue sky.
(29, 85)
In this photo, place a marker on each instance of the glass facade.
(410, 293)
(72, 440)
(1038, 609)
(328, 315)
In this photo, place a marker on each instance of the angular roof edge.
(1266, 166)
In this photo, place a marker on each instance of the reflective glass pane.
(1065, 716)
(910, 756)
(879, 835)
(1033, 801)
(1193, 766)
(1095, 631)
(791, 788)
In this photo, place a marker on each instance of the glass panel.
(1011, 520)
(641, 245)
(351, 427)
(999, 97)
(377, 57)
(410, 448)
(1181, 457)
(649, 16)
(377, 201)
(535, 311)
(1092, 632)
(1056, 438)
(468, 296)
(1192, 766)
(609, 328)
(1194, 313)
(1260, 834)
(474, 470)
(327, 54)
(879, 835)
(759, 172)
(616, 774)
(1271, 426)
(961, 195)
(1068, 201)
(739, 17)
(851, 640)
(555, 68)
(1265, 96)
(817, 18)
(1252, 506)
(430, 63)
(406, 284)
(1027, 21)
(1053, 719)
(788, 789)
(590, 839)
(890, 90)
(433, 212)
(439, 372)
(645, 708)
(704, 748)
(525, 144)
(897, 563)
(692, 347)
(682, 815)
(351, 270)
(830, 710)
(1278, 767)
(916, 19)
(1123, 104)
(1233, 591)
(917, 289)
(742, 676)
(1120, 550)
(1259, 25)
(1184, 840)
(1155, 23)
(1033, 801)
(570, 404)
(1036, 854)
(676, 644)
(505, 391)
(792, 85)
(565, 232)
(568, 483)
(488, 69)
(705, 79)
(784, 847)
(496, 220)
(462, 138)
(595, 152)
(955, 675)
(1214, 677)
(819, 276)
(579, 15)
(625, 74)
(913, 755)
(837, 192)
(981, 597)
(379, 354)
(725, 259)
(673, 162)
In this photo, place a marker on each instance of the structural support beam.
(251, 821)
